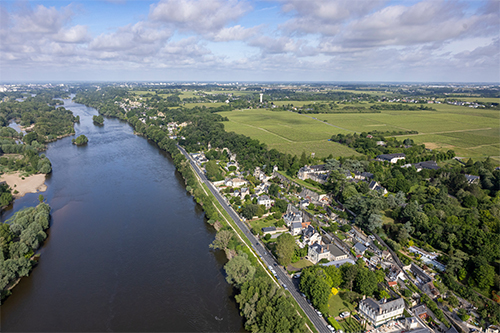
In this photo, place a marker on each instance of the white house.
(378, 313)
(265, 200)
(393, 158)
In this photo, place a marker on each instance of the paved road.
(283, 277)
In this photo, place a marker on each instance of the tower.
(261, 97)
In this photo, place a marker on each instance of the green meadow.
(469, 132)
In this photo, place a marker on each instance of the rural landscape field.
(469, 132)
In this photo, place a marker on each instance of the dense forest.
(45, 121)
(20, 237)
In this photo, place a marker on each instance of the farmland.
(469, 132)
(287, 131)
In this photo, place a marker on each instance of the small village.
(324, 233)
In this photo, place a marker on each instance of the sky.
(233, 40)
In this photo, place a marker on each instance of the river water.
(127, 247)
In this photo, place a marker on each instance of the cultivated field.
(469, 132)
(287, 132)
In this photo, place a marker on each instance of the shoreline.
(30, 184)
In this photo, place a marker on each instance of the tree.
(81, 140)
(462, 313)
(335, 274)
(249, 211)
(349, 273)
(98, 120)
(213, 171)
(239, 269)
(285, 247)
(222, 239)
(365, 282)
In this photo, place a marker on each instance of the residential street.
(319, 322)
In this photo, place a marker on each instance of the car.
(302, 294)
(357, 317)
(341, 315)
(275, 264)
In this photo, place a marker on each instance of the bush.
(334, 323)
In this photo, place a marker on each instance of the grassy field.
(287, 132)
(469, 132)
(337, 305)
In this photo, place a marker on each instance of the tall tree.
(285, 247)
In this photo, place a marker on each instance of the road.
(283, 277)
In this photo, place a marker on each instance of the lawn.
(261, 223)
(302, 263)
(337, 305)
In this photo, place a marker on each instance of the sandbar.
(31, 184)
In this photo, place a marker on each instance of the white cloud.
(75, 34)
(41, 20)
(236, 32)
(131, 37)
(200, 16)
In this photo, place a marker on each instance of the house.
(472, 179)
(309, 195)
(375, 186)
(336, 253)
(304, 203)
(493, 329)
(378, 313)
(295, 228)
(386, 255)
(359, 248)
(269, 230)
(429, 165)
(292, 215)
(237, 182)
(395, 273)
(310, 236)
(393, 158)
(318, 173)
(421, 312)
(244, 191)
(423, 253)
(265, 200)
(316, 252)
(392, 284)
(419, 274)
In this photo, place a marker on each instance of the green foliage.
(80, 140)
(222, 239)
(239, 269)
(213, 171)
(19, 237)
(434, 308)
(99, 120)
(316, 285)
(285, 247)
(266, 308)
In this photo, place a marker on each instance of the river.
(127, 247)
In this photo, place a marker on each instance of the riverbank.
(23, 185)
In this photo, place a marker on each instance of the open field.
(469, 132)
(287, 132)
(208, 105)
(476, 99)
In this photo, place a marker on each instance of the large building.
(378, 313)
(393, 158)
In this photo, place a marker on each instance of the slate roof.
(380, 308)
(431, 165)
(388, 157)
(360, 247)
